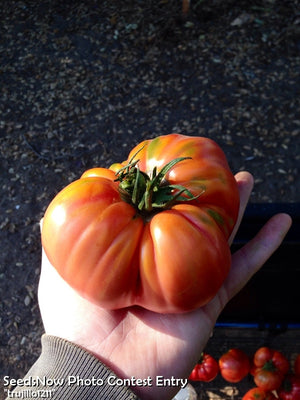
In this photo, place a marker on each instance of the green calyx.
(269, 366)
(151, 193)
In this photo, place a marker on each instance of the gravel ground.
(82, 82)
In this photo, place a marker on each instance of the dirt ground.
(82, 82)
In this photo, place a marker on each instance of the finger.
(245, 184)
(250, 258)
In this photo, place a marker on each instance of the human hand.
(140, 343)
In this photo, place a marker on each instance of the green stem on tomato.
(149, 193)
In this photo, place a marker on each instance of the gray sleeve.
(66, 371)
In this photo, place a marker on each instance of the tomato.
(270, 368)
(268, 380)
(297, 365)
(290, 389)
(258, 394)
(206, 370)
(150, 231)
(234, 365)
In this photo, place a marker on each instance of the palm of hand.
(133, 342)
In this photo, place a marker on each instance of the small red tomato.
(264, 355)
(297, 365)
(270, 368)
(234, 365)
(258, 394)
(206, 370)
(290, 388)
(268, 380)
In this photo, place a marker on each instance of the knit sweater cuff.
(67, 371)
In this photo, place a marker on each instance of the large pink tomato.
(152, 231)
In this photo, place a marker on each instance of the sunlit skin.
(137, 342)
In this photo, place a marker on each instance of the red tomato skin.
(270, 368)
(117, 258)
(265, 354)
(268, 380)
(297, 365)
(234, 365)
(290, 389)
(158, 253)
(206, 370)
(258, 394)
(117, 282)
(194, 374)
